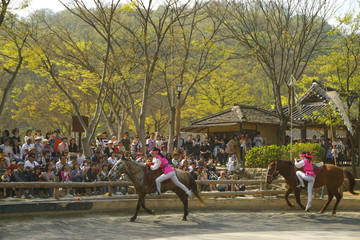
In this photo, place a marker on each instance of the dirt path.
(201, 225)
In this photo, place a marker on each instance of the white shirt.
(159, 143)
(258, 141)
(112, 161)
(231, 164)
(81, 159)
(29, 164)
(299, 164)
(157, 163)
(26, 146)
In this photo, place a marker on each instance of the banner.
(334, 97)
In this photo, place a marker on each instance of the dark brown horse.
(144, 181)
(332, 176)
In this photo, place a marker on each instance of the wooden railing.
(56, 185)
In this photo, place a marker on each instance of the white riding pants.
(173, 178)
(310, 179)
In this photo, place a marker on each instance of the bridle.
(274, 173)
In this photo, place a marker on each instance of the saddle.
(152, 175)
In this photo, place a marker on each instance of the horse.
(332, 176)
(144, 181)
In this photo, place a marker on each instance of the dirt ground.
(200, 225)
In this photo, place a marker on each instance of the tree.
(281, 35)
(340, 69)
(13, 37)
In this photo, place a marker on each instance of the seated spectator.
(103, 174)
(34, 176)
(112, 160)
(27, 145)
(47, 147)
(48, 176)
(204, 176)
(59, 165)
(91, 176)
(3, 166)
(30, 164)
(80, 157)
(13, 165)
(21, 176)
(86, 165)
(63, 146)
(66, 177)
(6, 177)
(73, 160)
(96, 157)
(38, 149)
(77, 176)
(45, 158)
(175, 161)
(7, 150)
(17, 150)
(222, 187)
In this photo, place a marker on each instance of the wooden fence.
(56, 185)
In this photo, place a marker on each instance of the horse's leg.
(330, 197)
(184, 198)
(297, 196)
(147, 210)
(338, 198)
(287, 197)
(140, 201)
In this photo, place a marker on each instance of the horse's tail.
(193, 188)
(351, 179)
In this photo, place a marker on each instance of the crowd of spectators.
(35, 157)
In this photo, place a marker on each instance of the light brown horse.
(332, 176)
(144, 181)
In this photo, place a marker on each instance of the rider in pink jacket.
(159, 161)
(309, 176)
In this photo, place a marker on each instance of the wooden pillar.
(303, 134)
(56, 189)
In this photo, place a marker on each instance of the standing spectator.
(126, 141)
(27, 145)
(28, 135)
(105, 139)
(49, 143)
(5, 135)
(159, 142)
(151, 141)
(99, 139)
(73, 148)
(47, 147)
(77, 176)
(258, 140)
(248, 142)
(92, 147)
(38, 134)
(196, 148)
(38, 147)
(48, 176)
(109, 148)
(204, 176)
(216, 148)
(205, 150)
(17, 150)
(232, 163)
(7, 150)
(57, 140)
(15, 136)
(121, 147)
(179, 143)
(189, 145)
(330, 155)
(63, 146)
(136, 145)
(20, 176)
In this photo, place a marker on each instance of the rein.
(274, 172)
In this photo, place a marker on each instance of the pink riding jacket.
(308, 168)
(165, 166)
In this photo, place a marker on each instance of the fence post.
(232, 185)
(262, 187)
(56, 189)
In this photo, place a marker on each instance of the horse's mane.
(134, 162)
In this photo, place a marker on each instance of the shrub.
(262, 156)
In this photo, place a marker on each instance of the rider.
(308, 176)
(160, 161)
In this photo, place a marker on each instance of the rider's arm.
(300, 164)
(156, 165)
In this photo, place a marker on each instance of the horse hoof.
(152, 212)
(184, 219)
(292, 205)
(321, 212)
(132, 219)
(333, 213)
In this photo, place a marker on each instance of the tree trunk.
(171, 130)
(281, 133)
(86, 144)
